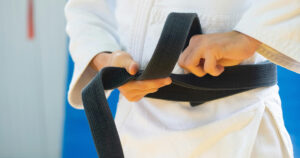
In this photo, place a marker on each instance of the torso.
(140, 22)
(165, 129)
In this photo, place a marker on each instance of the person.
(247, 124)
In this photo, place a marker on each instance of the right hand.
(132, 90)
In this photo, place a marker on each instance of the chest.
(140, 22)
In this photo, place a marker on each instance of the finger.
(228, 62)
(133, 68)
(183, 56)
(196, 66)
(133, 98)
(130, 65)
(146, 84)
(185, 71)
(134, 92)
(151, 84)
(130, 95)
(139, 96)
(210, 65)
(135, 95)
(198, 71)
(146, 91)
(136, 98)
(190, 61)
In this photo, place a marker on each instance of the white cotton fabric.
(248, 124)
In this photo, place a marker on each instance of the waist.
(174, 115)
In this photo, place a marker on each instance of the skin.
(210, 53)
(132, 90)
(205, 54)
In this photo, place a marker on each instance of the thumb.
(132, 68)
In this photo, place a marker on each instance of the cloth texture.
(177, 31)
(249, 124)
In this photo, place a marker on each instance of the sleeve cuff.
(82, 75)
(284, 41)
(279, 58)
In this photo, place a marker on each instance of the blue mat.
(289, 84)
(77, 139)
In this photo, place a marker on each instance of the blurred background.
(35, 69)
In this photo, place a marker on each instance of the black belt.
(177, 31)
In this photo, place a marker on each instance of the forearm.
(91, 30)
(275, 24)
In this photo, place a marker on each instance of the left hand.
(210, 53)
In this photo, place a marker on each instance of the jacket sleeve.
(275, 23)
(92, 28)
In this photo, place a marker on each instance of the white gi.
(248, 124)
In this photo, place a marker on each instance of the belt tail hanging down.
(178, 29)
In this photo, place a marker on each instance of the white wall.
(32, 80)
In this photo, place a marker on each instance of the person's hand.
(132, 90)
(210, 53)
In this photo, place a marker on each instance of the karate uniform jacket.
(248, 124)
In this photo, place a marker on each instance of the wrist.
(252, 42)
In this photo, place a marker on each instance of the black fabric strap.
(177, 31)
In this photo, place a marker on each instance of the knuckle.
(211, 47)
(195, 39)
(188, 63)
(189, 66)
(180, 61)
